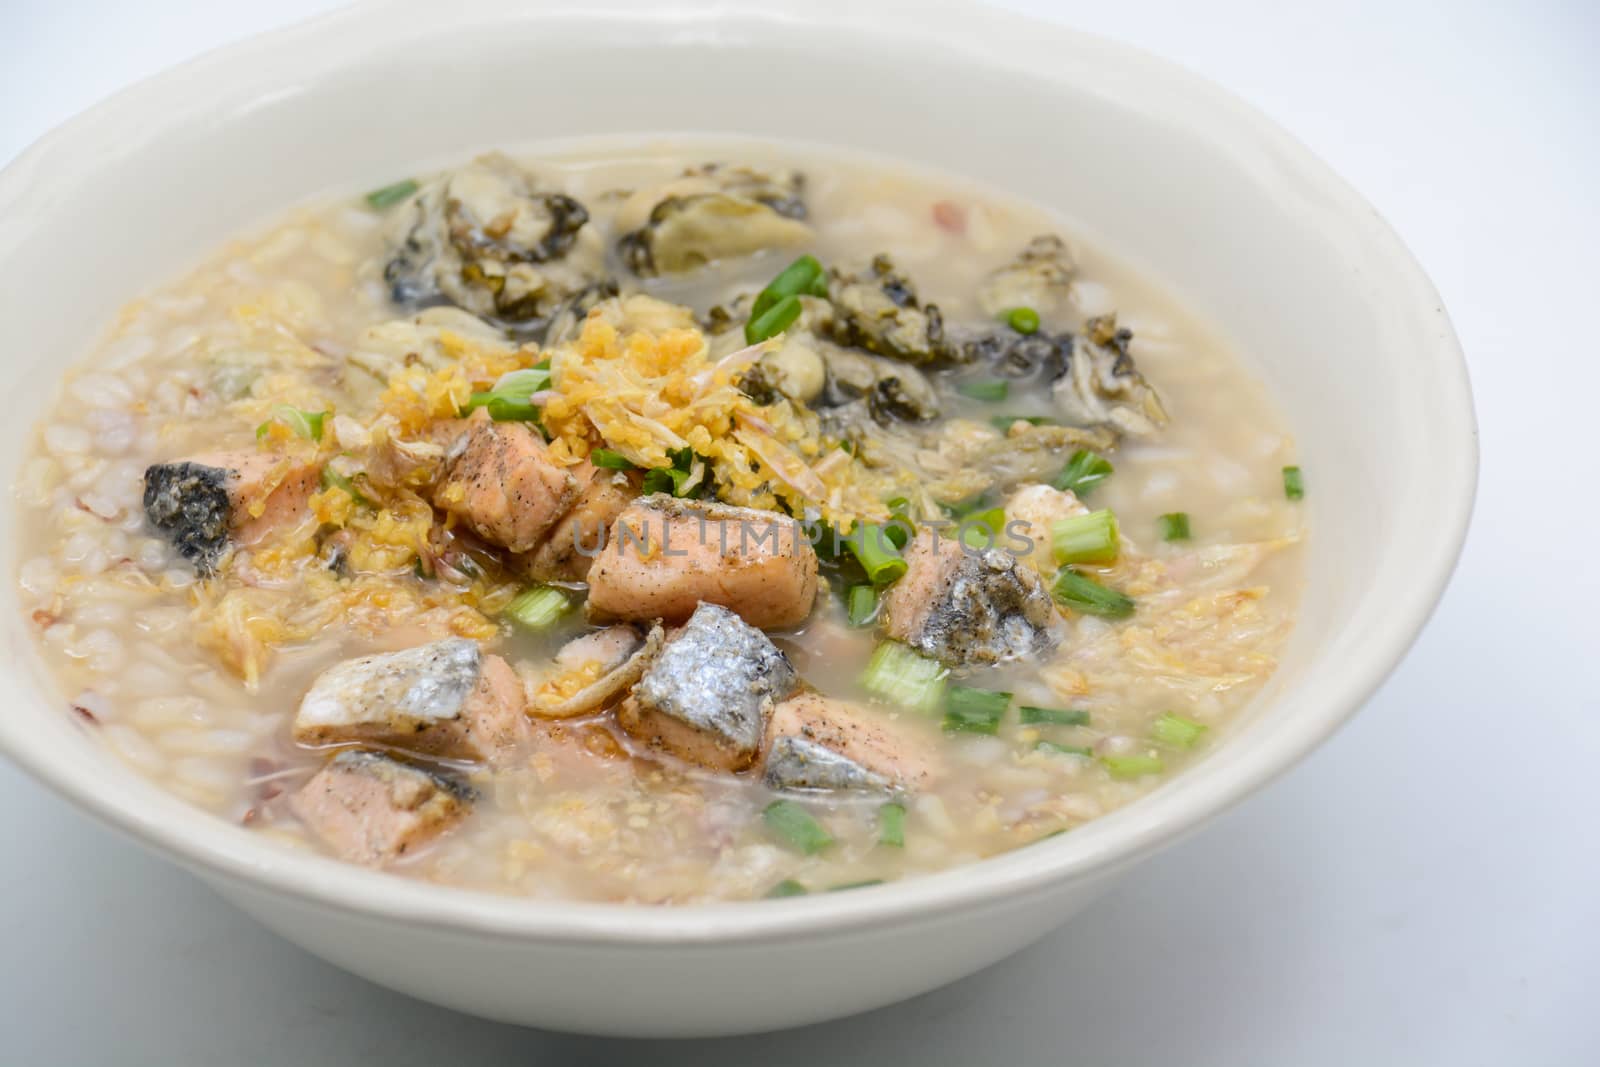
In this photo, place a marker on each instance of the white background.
(1424, 890)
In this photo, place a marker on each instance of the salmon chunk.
(707, 696)
(1038, 508)
(441, 699)
(573, 542)
(814, 742)
(372, 809)
(968, 606)
(500, 480)
(665, 556)
(207, 502)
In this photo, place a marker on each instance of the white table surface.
(1423, 890)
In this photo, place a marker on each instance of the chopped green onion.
(307, 424)
(674, 479)
(982, 529)
(508, 400)
(538, 608)
(1175, 526)
(391, 195)
(1023, 320)
(609, 460)
(855, 885)
(901, 675)
(989, 392)
(1004, 422)
(1032, 716)
(786, 888)
(1176, 731)
(862, 601)
(1087, 596)
(1083, 472)
(869, 543)
(773, 321)
(794, 826)
(974, 711)
(1135, 766)
(898, 529)
(332, 479)
(803, 276)
(892, 825)
(1060, 750)
(1294, 485)
(1091, 538)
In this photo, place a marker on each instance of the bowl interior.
(1152, 164)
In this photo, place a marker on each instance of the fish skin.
(797, 763)
(707, 696)
(373, 809)
(445, 698)
(965, 606)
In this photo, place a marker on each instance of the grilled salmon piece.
(208, 502)
(500, 480)
(441, 699)
(664, 557)
(372, 809)
(707, 695)
(968, 606)
(569, 549)
(814, 742)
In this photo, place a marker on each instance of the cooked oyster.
(486, 239)
(963, 458)
(878, 310)
(821, 374)
(1039, 278)
(1102, 387)
(713, 212)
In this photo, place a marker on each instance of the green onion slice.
(1294, 484)
(1176, 731)
(802, 277)
(609, 460)
(509, 400)
(786, 888)
(1174, 526)
(871, 545)
(892, 825)
(678, 479)
(1083, 472)
(538, 608)
(773, 321)
(901, 675)
(1032, 716)
(795, 827)
(1133, 766)
(990, 392)
(1091, 538)
(1060, 750)
(1023, 320)
(307, 424)
(1087, 596)
(332, 479)
(864, 883)
(390, 195)
(982, 529)
(974, 711)
(862, 602)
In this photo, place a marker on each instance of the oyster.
(714, 212)
(878, 310)
(1102, 387)
(1040, 277)
(486, 239)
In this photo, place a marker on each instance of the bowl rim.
(217, 850)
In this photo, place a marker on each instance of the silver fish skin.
(720, 676)
(796, 763)
(406, 690)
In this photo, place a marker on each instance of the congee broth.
(661, 523)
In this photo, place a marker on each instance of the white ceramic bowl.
(1152, 163)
